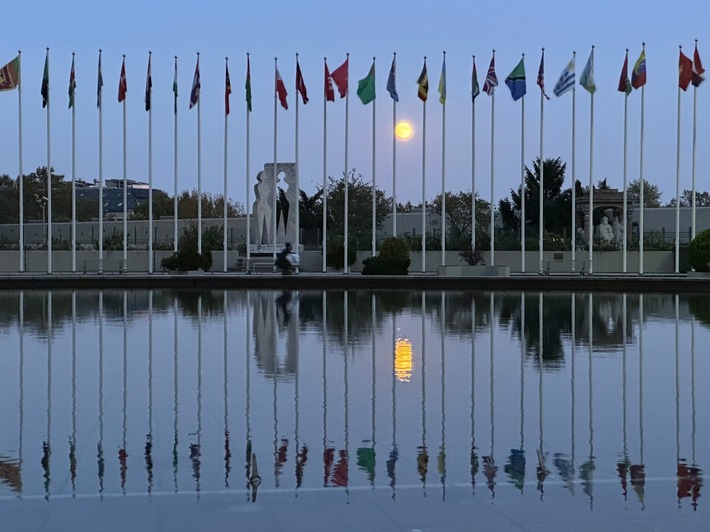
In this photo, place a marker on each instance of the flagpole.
(424, 182)
(492, 235)
(275, 188)
(125, 185)
(101, 167)
(522, 183)
(374, 219)
(73, 179)
(677, 186)
(626, 112)
(695, 106)
(542, 181)
(591, 179)
(175, 169)
(324, 192)
(298, 189)
(199, 169)
(226, 133)
(473, 162)
(443, 173)
(394, 158)
(642, 183)
(19, 156)
(574, 168)
(347, 98)
(150, 168)
(49, 181)
(246, 180)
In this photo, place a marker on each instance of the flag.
(148, 87)
(698, 70)
(99, 85)
(10, 75)
(328, 85)
(340, 77)
(247, 86)
(392, 82)
(442, 84)
(72, 84)
(122, 86)
(300, 84)
(516, 81)
(195, 91)
(587, 78)
(227, 89)
(638, 74)
(685, 71)
(624, 83)
(566, 81)
(541, 75)
(366, 86)
(281, 90)
(475, 90)
(175, 89)
(491, 80)
(423, 83)
(45, 82)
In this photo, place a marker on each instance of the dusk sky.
(278, 28)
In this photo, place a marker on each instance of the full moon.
(403, 130)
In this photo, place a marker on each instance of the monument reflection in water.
(271, 393)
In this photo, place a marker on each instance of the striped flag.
(638, 74)
(491, 80)
(541, 75)
(423, 83)
(475, 89)
(698, 70)
(566, 81)
(227, 89)
(122, 85)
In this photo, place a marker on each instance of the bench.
(104, 266)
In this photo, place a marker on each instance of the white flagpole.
(574, 168)
(275, 188)
(246, 180)
(542, 183)
(298, 186)
(394, 157)
(492, 235)
(641, 178)
(347, 98)
(224, 194)
(325, 174)
(424, 182)
(49, 181)
(199, 169)
(695, 106)
(443, 178)
(101, 171)
(19, 156)
(522, 183)
(623, 224)
(175, 172)
(125, 186)
(591, 179)
(73, 179)
(374, 218)
(677, 187)
(150, 170)
(473, 164)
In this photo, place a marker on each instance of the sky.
(368, 28)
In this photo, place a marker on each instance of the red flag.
(300, 84)
(122, 86)
(624, 83)
(328, 86)
(685, 71)
(281, 90)
(340, 77)
(698, 70)
(541, 75)
(227, 90)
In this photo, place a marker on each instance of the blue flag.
(516, 81)
(391, 82)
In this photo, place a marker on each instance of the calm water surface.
(329, 410)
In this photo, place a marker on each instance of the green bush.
(336, 251)
(187, 257)
(393, 259)
(700, 252)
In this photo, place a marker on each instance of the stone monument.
(262, 230)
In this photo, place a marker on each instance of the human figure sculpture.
(618, 231)
(604, 231)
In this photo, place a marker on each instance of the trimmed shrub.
(393, 259)
(336, 251)
(700, 252)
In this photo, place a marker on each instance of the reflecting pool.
(360, 410)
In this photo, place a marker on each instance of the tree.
(556, 201)
(702, 199)
(311, 215)
(651, 193)
(458, 220)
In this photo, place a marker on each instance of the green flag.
(366, 86)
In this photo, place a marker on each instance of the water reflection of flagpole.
(22, 384)
(394, 453)
(275, 368)
(46, 445)
(474, 458)
(196, 448)
(638, 473)
(347, 442)
(301, 453)
(586, 470)
(149, 436)
(253, 478)
(541, 467)
(622, 465)
(100, 446)
(123, 452)
(175, 392)
(372, 440)
(72, 440)
(227, 449)
(422, 453)
(696, 472)
(489, 466)
(515, 467)
(441, 462)
(327, 452)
